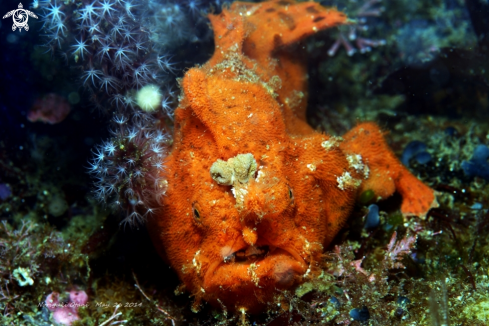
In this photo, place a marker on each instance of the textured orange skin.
(295, 206)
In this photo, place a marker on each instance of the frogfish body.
(254, 193)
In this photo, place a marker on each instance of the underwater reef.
(103, 79)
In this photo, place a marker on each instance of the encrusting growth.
(254, 193)
(387, 174)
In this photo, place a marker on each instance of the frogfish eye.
(291, 195)
(196, 211)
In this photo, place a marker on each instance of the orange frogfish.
(254, 193)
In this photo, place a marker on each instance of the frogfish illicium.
(254, 193)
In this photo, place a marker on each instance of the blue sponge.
(372, 220)
(478, 166)
(360, 314)
(451, 131)
(415, 149)
(423, 157)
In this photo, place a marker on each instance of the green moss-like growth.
(366, 197)
(478, 311)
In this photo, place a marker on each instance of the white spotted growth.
(346, 181)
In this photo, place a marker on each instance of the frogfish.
(254, 193)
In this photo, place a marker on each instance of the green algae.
(366, 197)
